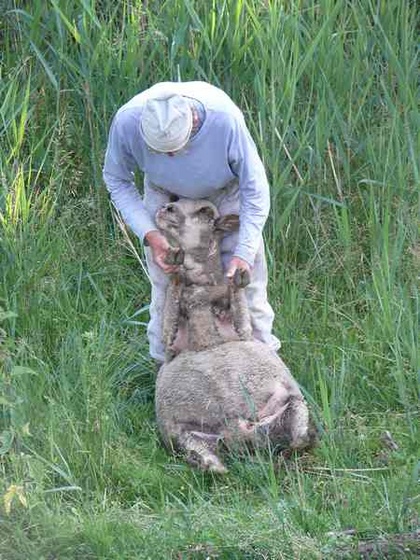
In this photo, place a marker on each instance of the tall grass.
(330, 92)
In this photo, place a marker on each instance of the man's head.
(167, 122)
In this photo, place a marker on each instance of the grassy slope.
(330, 91)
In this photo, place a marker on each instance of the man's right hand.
(160, 250)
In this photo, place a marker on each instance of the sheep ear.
(227, 223)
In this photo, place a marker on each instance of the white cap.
(166, 122)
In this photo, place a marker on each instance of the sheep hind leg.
(285, 417)
(200, 450)
(303, 434)
(293, 426)
(284, 420)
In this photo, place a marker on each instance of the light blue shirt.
(221, 151)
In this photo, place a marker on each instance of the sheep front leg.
(240, 313)
(171, 318)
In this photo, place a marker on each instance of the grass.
(330, 91)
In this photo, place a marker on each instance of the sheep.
(223, 388)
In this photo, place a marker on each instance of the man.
(190, 140)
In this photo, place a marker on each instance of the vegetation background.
(330, 89)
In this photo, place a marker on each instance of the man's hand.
(239, 272)
(160, 251)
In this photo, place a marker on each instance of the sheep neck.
(203, 267)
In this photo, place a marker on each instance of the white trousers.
(227, 202)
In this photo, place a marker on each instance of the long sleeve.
(253, 188)
(118, 174)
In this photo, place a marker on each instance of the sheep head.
(195, 228)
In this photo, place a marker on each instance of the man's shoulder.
(214, 99)
(128, 116)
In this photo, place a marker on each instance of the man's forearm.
(129, 203)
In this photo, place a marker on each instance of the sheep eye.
(170, 209)
(205, 211)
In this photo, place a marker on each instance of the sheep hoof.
(205, 461)
(175, 255)
(218, 468)
(241, 278)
